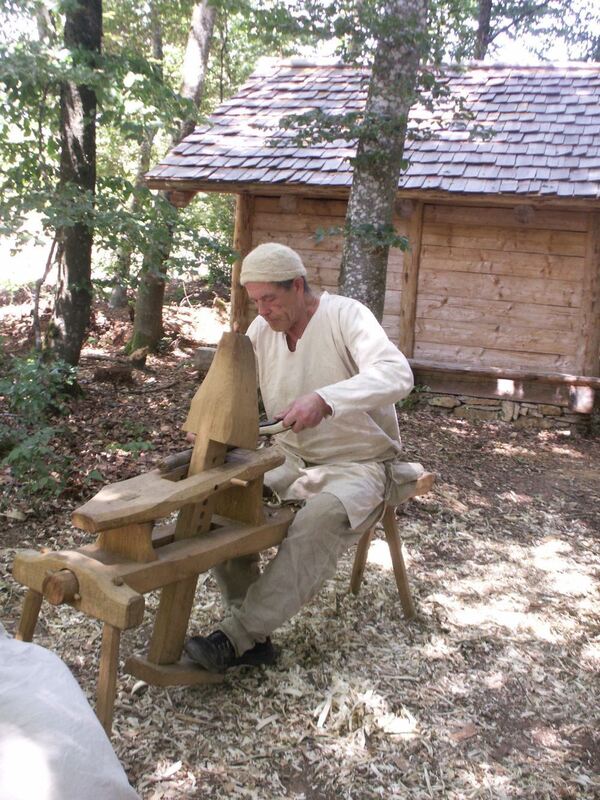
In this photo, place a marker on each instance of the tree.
(83, 37)
(401, 46)
(148, 328)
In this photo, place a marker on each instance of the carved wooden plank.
(153, 496)
(99, 596)
(130, 541)
(179, 674)
(183, 559)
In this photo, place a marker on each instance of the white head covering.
(270, 263)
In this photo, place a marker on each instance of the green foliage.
(34, 391)
(137, 444)
(135, 447)
(410, 402)
(375, 236)
(36, 465)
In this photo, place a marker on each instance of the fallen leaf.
(466, 732)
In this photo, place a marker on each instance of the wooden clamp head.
(225, 408)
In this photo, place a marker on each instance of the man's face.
(281, 308)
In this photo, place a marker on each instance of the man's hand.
(305, 412)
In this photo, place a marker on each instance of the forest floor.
(492, 692)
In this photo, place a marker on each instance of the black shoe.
(216, 653)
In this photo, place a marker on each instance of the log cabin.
(496, 302)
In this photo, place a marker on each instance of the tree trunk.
(400, 48)
(83, 37)
(484, 26)
(118, 298)
(147, 328)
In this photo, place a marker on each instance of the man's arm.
(305, 412)
(383, 374)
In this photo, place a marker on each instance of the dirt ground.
(492, 692)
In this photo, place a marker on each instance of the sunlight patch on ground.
(508, 449)
(379, 554)
(563, 573)
(496, 613)
(590, 655)
(15, 310)
(565, 451)
(513, 497)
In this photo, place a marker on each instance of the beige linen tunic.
(345, 356)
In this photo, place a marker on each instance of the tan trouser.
(260, 603)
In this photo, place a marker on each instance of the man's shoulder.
(338, 302)
(347, 311)
(256, 327)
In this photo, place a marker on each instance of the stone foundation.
(521, 415)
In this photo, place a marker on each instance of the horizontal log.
(304, 205)
(558, 378)
(502, 336)
(497, 262)
(557, 242)
(297, 241)
(298, 223)
(520, 216)
(455, 383)
(486, 357)
(497, 312)
(493, 287)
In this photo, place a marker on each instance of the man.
(326, 369)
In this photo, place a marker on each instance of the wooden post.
(410, 283)
(107, 676)
(589, 354)
(29, 615)
(242, 242)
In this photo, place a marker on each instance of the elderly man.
(326, 369)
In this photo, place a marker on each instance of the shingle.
(544, 122)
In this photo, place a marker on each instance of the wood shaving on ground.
(492, 692)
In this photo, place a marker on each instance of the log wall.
(501, 287)
(513, 288)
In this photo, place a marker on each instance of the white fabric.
(271, 263)
(344, 355)
(52, 746)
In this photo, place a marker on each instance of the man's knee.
(322, 512)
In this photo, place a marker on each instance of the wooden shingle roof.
(543, 121)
